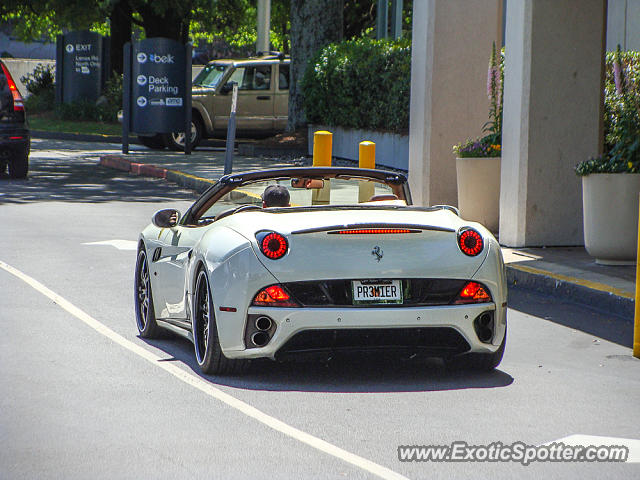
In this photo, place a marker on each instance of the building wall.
(623, 24)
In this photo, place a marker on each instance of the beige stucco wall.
(450, 53)
(552, 117)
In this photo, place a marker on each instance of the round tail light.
(470, 242)
(273, 245)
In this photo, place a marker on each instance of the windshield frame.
(228, 183)
(207, 70)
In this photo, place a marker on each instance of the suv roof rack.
(272, 54)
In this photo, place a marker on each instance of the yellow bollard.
(636, 334)
(322, 146)
(367, 159)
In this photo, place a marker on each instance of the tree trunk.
(120, 20)
(170, 23)
(314, 24)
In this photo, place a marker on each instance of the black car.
(14, 132)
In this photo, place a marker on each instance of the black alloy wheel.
(145, 314)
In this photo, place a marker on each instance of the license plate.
(376, 291)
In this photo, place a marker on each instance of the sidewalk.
(566, 272)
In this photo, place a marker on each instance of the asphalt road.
(84, 397)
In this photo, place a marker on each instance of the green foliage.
(82, 110)
(40, 84)
(360, 83)
(491, 144)
(621, 117)
(487, 146)
(40, 80)
(104, 110)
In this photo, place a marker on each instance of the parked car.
(262, 107)
(14, 131)
(320, 272)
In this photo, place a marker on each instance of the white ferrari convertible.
(317, 260)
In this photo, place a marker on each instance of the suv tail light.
(273, 296)
(473, 292)
(18, 102)
(470, 242)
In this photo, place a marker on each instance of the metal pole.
(366, 159)
(59, 67)
(231, 132)
(636, 331)
(264, 20)
(322, 146)
(382, 19)
(396, 19)
(126, 96)
(187, 102)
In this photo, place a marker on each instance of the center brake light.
(273, 296)
(473, 292)
(372, 231)
(18, 102)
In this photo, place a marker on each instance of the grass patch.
(48, 122)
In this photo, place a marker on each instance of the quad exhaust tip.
(263, 323)
(484, 327)
(260, 339)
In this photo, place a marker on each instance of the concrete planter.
(610, 213)
(479, 190)
(392, 150)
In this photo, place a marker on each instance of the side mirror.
(226, 88)
(166, 218)
(308, 183)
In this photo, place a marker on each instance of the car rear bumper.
(440, 331)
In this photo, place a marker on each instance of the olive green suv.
(262, 107)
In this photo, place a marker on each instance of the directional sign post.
(157, 89)
(82, 66)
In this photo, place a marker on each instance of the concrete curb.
(81, 137)
(597, 295)
(116, 162)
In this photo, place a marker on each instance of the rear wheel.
(19, 163)
(145, 314)
(155, 142)
(175, 141)
(209, 355)
(479, 362)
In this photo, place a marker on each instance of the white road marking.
(119, 244)
(587, 440)
(206, 387)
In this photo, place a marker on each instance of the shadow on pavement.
(601, 324)
(81, 180)
(352, 374)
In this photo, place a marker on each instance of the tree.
(313, 25)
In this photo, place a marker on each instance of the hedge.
(360, 83)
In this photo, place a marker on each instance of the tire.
(479, 362)
(209, 355)
(143, 298)
(155, 142)
(19, 163)
(175, 140)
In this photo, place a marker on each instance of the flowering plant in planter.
(622, 117)
(489, 145)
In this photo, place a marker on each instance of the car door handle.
(263, 97)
